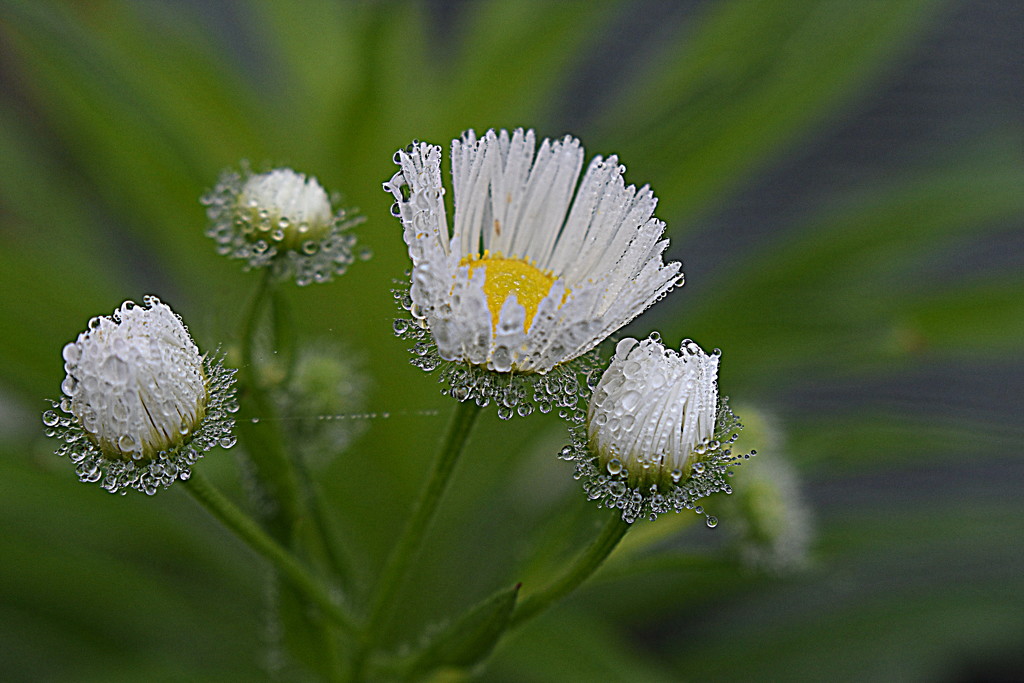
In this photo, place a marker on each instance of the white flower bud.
(285, 207)
(654, 409)
(656, 437)
(141, 404)
(282, 220)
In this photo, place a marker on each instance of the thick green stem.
(246, 528)
(580, 571)
(397, 565)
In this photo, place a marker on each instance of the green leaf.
(825, 290)
(576, 646)
(470, 638)
(754, 77)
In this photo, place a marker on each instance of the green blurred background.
(843, 181)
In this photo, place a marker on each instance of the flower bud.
(321, 399)
(771, 522)
(656, 437)
(140, 403)
(282, 220)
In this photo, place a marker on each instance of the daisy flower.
(140, 405)
(537, 268)
(281, 220)
(656, 435)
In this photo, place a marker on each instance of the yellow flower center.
(505, 276)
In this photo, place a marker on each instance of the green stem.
(237, 521)
(296, 477)
(579, 572)
(263, 439)
(284, 332)
(249, 325)
(325, 529)
(397, 565)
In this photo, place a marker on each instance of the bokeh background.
(843, 180)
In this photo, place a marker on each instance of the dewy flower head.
(535, 272)
(656, 436)
(282, 220)
(140, 405)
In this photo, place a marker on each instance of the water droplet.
(50, 418)
(69, 386)
(614, 466)
(712, 522)
(255, 420)
(227, 441)
(630, 400)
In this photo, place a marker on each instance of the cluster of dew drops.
(512, 393)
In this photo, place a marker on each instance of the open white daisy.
(535, 271)
(141, 405)
(656, 437)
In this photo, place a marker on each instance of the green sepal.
(468, 640)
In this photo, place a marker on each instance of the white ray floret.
(538, 267)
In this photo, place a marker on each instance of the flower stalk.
(246, 529)
(580, 571)
(397, 565)
(263, 439)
